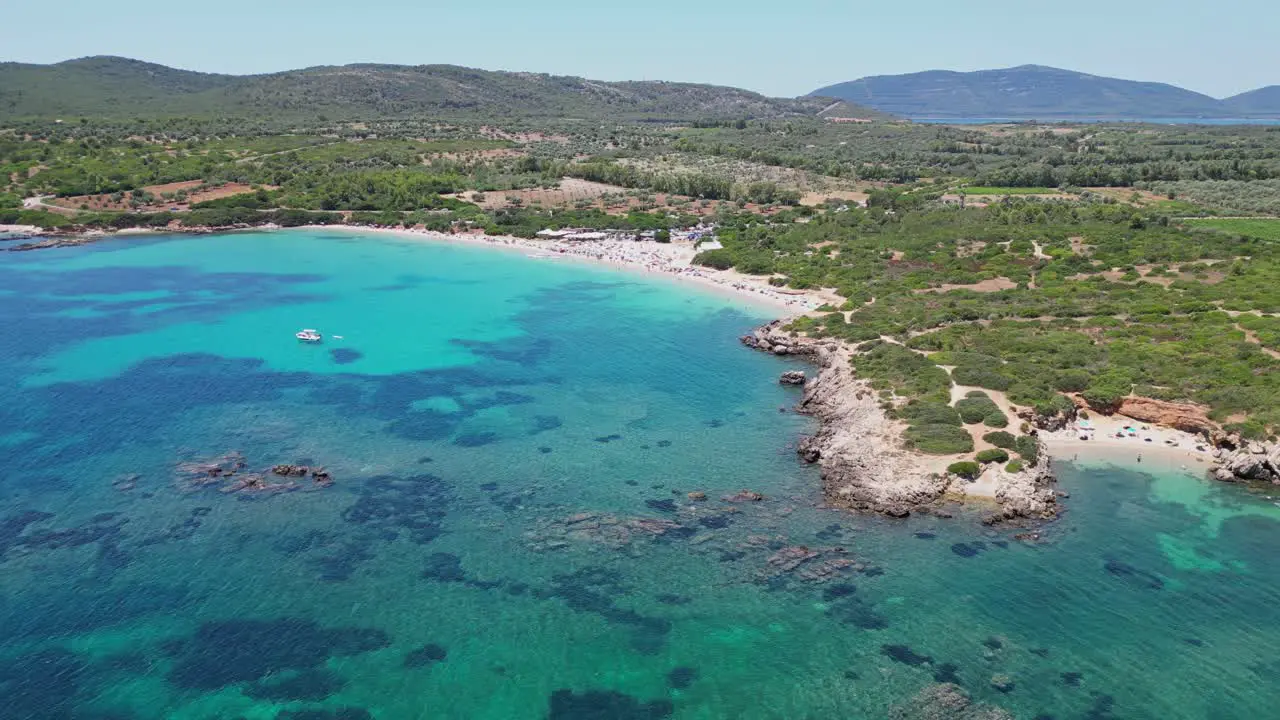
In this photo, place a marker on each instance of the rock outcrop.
(1179, 416)
(859, 449)
(792, 377)
(1027, 493)
(229, 474)
(1049, 423)
(1251, 461)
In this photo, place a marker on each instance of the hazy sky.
(779, 48)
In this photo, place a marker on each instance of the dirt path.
(1252, 337)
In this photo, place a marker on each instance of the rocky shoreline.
(859, 449)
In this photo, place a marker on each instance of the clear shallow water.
(508, 535)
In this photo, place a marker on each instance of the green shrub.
(984, 377)
(1072, 380)
(1001, 439)
(976, 409)
(921, 412)
(965, 469)
(1249, 429)
(1028, 447)
(1105, 397)
(1054, 405)
(909, 374)
(1106, 391)
(1014, 466)
(993, 455)
(719, 259)
(947, 357)
(939, 439)
(996, 419)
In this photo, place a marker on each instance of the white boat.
(309, 336)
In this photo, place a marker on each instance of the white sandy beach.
(1151, 445)
(672, 260)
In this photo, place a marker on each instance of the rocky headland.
(864, 462)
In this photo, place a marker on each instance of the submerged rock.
(426, 656)
(605, 704)
(945, 701)
(905, 655)
(681, 677)
(228, 474)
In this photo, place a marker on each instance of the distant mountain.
(119, 87)
(1263, 102)
(1034, 92)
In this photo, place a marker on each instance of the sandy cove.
(1167, 447)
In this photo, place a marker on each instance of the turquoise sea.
(508, 532)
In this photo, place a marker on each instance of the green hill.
(118, 87)
(1028, 91)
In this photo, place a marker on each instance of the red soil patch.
(986, 286)
(105, 203)
(227, 190)
(173, 187)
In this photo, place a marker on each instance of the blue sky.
(778, 48)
